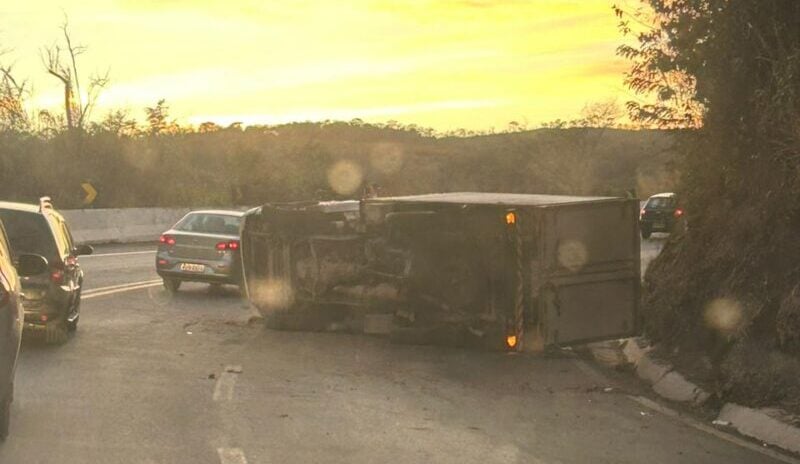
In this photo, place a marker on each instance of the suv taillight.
(57, 273)
(166, 240)
(678, 212)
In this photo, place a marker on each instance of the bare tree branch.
(65, 69)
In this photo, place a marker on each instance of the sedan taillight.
(167, 240)
(231, 245)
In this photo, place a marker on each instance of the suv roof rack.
(45, 203)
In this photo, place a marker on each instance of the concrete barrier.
(125, 225)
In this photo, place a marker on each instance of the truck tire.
(646, 232)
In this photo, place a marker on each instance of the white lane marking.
(120, 290)
(650, 404)
(223, 389)
(231, 456)
(123, 253)
(114, 287)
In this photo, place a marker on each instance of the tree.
(158, 119)
(119, 122)
(208, 126)
(659, 71)
(12, 98)
(61, 62)
(729, 69)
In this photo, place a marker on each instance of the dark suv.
(52, 298)
(11, 314)
(659, 214)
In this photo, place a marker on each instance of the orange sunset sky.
(446, 64)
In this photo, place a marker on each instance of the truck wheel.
(172, 285)
(646, 232)
(5, 416)
(56, 332)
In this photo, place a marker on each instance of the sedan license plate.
(658, 224)
(189, 267)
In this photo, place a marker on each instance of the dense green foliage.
(739, 61)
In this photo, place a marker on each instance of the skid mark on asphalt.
(223, 389)
(231, 456)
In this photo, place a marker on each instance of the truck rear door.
(590, 274)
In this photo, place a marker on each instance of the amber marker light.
(511, 341)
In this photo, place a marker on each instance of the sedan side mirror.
(83, 250)
(30, 265)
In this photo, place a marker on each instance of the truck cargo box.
(488, 269)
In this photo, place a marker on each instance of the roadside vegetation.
(142, 166)
(723, 299)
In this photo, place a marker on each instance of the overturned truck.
(498, 271)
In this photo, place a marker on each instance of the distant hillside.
(227, 166)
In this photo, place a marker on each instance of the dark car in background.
(52, 298)
(202, 247)
(11, 316)
(660, 213)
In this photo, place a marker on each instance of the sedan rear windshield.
(210, 224)
(28, 233)
(660, 202)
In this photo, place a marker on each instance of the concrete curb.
(665, 381)
(766, 425)
(675, 387)
(651, 370)
(770, 426)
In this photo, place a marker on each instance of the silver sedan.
(202, 247)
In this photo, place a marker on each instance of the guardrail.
(121, 225)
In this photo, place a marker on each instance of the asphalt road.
(153, 379)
